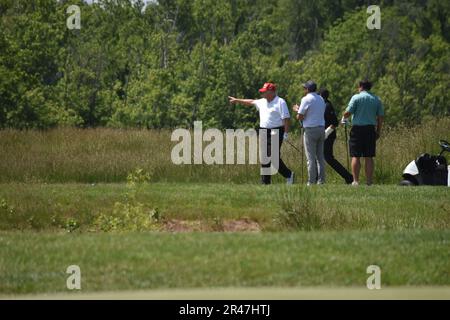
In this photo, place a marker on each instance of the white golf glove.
(285, 136)
(328, 132)
(344, 120)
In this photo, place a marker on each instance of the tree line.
(168, 63)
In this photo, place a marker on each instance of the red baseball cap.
(268, 87)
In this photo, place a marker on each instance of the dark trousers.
(331, 160)
(282, 169)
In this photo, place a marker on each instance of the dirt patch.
(175, 225)
(239, 225)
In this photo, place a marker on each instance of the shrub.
(130, 215)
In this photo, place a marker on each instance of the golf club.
(292, 145)
(346, 145)
(299, 150)
(302, 148)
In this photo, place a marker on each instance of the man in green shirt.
(367, 114)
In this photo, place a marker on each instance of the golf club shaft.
(293, 146)
(346, 147)
(299, 150)
(302, 148)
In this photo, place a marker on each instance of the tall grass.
(320, 208)
(108, 155)
(301, 209)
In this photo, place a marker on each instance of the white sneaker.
(355, 184)
(291, 179)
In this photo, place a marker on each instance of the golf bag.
(428, 169)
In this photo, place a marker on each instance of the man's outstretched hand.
(232, 100)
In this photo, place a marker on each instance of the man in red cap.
(274, 119)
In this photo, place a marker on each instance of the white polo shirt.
(271, 114)
(313, 108)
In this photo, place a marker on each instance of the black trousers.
(282, 169)
(331, 160)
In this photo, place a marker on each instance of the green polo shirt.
(365, 107)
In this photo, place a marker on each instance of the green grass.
(108, 155)
(403, 230)
(61, 189)
(36, 262)
(50, 206)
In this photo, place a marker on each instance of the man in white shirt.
(311, 112)
(273, 120)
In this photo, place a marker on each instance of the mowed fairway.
(36, 263)
(405, 231)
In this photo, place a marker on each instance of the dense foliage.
(167, 63)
